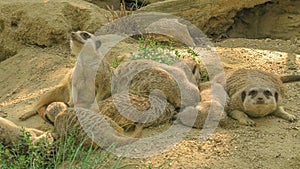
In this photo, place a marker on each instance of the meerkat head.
(259, 101)
(189, 65)
(79, 38)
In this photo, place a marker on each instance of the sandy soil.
(274, 143)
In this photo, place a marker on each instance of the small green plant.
(155, 51)
(166, 54)
(115, 62)
(25, 154)
(66, 152)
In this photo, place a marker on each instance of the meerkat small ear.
(243, 95)
(276, 96)
(98, 44)
(194, 69)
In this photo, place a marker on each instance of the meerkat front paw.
(292, 118)
(247, 122)
(280, 112)
(242, 118)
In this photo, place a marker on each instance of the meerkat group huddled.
(154, 84)
(130, 96)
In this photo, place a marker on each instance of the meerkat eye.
(268, 93)
(85, 35)
(252, 93)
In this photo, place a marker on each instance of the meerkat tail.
(290, 78)
(28, 114)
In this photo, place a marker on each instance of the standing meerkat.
(255, 93)
(62, 92)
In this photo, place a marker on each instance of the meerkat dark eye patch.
(252, 93)
(85, 35)
(268, 93)
(243, 95)
(276, 96)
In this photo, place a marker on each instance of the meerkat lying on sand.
(106, 132)
(129, 111)
(191, 69)
(255, 93)
(142, 77)
(90, 128)
(10, 134)
(213, 102)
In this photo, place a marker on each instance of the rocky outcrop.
(46, 23)
(279, 19)
(212, 17)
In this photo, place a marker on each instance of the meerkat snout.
(79, 38)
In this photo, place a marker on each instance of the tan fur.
(53, 109)
(158, 76)
(70, 121)
(60, 93)
(142, 113)
(213, 102)
(63, 91)
(243, 104)
(10, 134)
(129, 111)
(145, 76)
(191, 69)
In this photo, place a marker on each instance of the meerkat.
(92, 129)
(213, 101)
(191, 69)
(10, 134)
(63, 91)
(136, 111)
(141, 77)
(79, 38)
(255, 93)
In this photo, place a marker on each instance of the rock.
(259, 21)
(115, 4)
(212, 17)
(49, 23)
